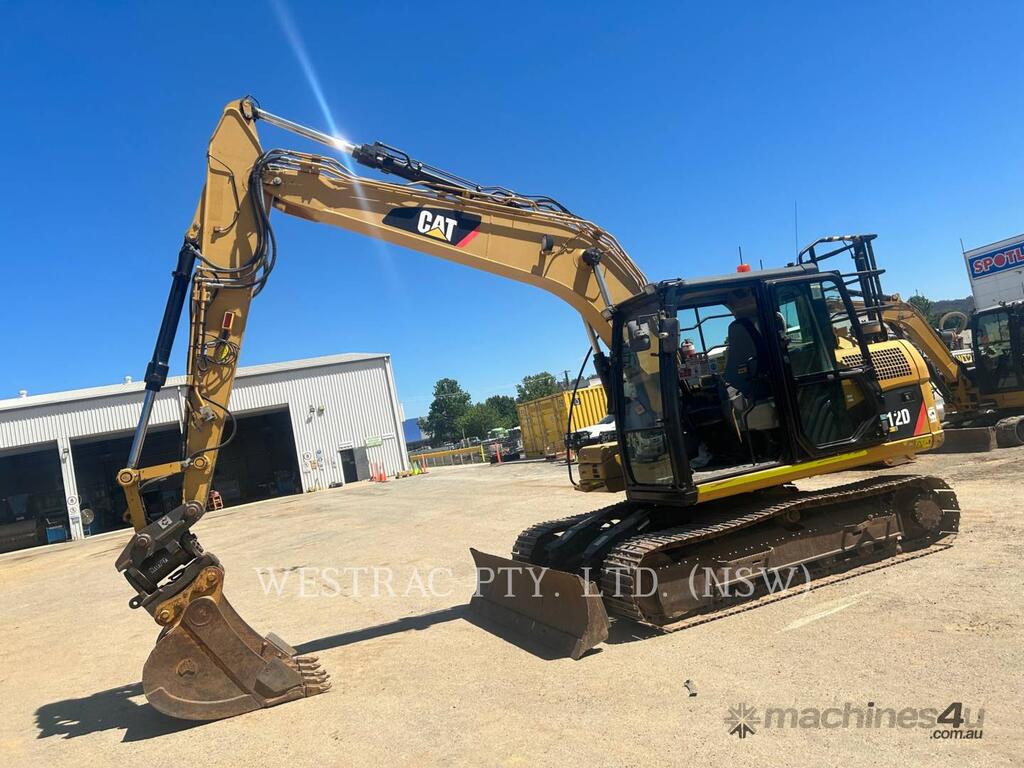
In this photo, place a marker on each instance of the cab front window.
(643, 418)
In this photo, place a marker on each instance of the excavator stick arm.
(208, 663)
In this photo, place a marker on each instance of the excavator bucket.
(560, 611)
(209, 664)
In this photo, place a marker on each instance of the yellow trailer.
(543, 420)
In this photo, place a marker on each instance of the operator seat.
(744, 357)
(749, 395)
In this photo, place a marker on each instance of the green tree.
(478, 420)
(539, 385)
(504, 408)
(924, 305)
(451, 402)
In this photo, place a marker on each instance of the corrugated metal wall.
(82, 418)
(338, 406)
(332, 410)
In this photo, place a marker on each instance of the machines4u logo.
(452, 227)
(955, 722)
(990, 263)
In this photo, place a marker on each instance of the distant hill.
(935, 310)
(942, 306)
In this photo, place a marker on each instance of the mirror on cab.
(668, 334)
(639, 336)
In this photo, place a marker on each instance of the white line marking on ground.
(827, 610)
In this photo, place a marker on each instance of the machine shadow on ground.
(406, 623)
(114, 709)
(425, 621)
(125, 708)
(630, 632)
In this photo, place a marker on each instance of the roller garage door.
(33, 509)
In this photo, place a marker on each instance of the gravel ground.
(415, 683)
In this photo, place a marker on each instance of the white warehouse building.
(302, 426)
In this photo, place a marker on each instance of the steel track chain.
(822, 581)
(623, 561)
(526, 542)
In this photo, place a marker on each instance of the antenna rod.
(796, 230)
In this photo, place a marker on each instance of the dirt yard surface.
(416, 684)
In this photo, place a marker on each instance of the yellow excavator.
(988, 391)
(782, 384)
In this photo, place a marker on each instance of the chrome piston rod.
(135, 454)
(335, 142)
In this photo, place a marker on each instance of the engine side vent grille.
(890, 363)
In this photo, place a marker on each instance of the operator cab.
(724, 376)
(998, 339)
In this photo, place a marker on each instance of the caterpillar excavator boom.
(783, 386)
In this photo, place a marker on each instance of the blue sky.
(686, 129)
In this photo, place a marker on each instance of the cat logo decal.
(452, 227)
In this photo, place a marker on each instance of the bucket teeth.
(314, 679)
(312, 689)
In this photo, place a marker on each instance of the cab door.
(835, 406)
(998, 340)
(647, 419)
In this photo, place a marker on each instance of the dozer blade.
(558, 610)
(209, 664)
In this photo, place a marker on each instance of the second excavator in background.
(986, 392)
